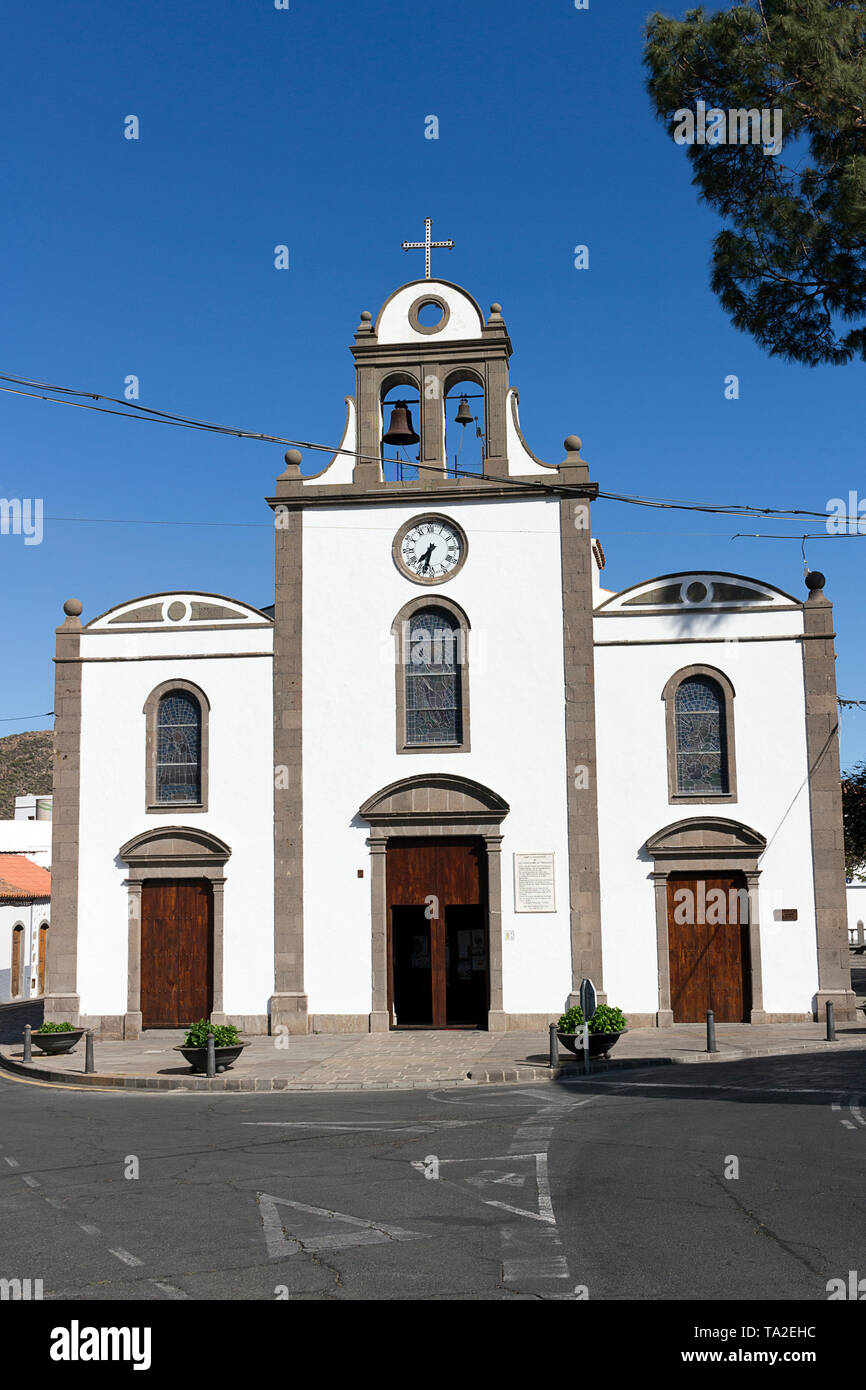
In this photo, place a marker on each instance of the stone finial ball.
(293, 456)
(496, 308)
(73, 608)
(573, 444)
(815, 580)
(366, 316)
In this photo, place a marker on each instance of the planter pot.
(56, 1043)
(599, 1043)
(225, 1056)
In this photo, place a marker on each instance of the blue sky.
(305, 127)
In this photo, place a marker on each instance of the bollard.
(28, 1043)
(88, 1051)
(554, 1046)
(831, 1023)
(586, 1048)
(711, 1031)
(211, 1055)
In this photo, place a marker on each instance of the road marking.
(490, 1177)
(317, 1228)
(13, 1162)
(169, 1290)
(31, 1182)
(56, 1202)
(361, 1126)
(88, 1229)
(125, 1256)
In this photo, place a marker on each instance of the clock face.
(430, 549)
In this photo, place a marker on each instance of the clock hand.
(425, 558)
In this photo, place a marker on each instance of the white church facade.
(449, 774)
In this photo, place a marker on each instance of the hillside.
(25, 766)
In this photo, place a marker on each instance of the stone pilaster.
(580, 744)
(825, 801)
(288, 1005)
(61, 972)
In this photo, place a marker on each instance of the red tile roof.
(21, 878)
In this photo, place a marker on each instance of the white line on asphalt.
(31, 1182)
(56, 1202)
(125, 1256)
(88, 1229)
(169, 1290)
(13, 1162)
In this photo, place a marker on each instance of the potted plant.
(227, 1044)
(606, 1027)
(56, 1038)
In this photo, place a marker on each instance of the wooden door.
(15, 972)
(176, 952)
(430, 883)
(43, 950)
(708, 944)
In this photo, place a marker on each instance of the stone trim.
(675, 796)
(61, 967)
(151, 709)
(702, 575)
(166, 656)
(825, 804)
(419, 521)
(418, 305)
(288, 1006)
(440, 806)
(584, 884)
(400, 633)
(171, 852)
(171, 593)
(710, 845)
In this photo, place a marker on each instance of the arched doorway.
(436, 903)
(175, 880)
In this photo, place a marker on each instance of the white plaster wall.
(32, 838)
(240, 800)
(510, 588)
(30, 916)
(464, 321)
(770, 738)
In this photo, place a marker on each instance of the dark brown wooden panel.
(709, 954)
(176, 952)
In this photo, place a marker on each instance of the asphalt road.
(612, 1189)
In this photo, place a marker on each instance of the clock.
(430, 549)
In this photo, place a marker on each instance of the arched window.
(177, 747)
(432, 678)
(700, 731)
(15, 972)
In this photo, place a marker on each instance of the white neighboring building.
(25, 916)
(30, 831)
(448, 775)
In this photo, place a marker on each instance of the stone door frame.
(435, 805)
(706, 844)
(166, 852)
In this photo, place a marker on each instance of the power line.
(155, 416)
(19, 719)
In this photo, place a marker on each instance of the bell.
(464, 415)
(400, 430)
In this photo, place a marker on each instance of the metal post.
(711, 1031)
(554, 1046)
(831, 1023)
(586, 1048)
(211, 1055)
(88, 1051)
(28, 1043)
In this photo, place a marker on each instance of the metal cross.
(427, 246)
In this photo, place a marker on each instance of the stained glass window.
(178, 748)
(702, 760)
(433, 689)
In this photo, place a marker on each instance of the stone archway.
(434, 805)
(172, 852)
(706, 845)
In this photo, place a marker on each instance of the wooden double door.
(176, 952)
(708, 945)
(438, 963)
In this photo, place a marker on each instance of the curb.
(490, 1076)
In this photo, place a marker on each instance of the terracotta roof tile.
(21, 878)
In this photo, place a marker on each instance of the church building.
(449, 774)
